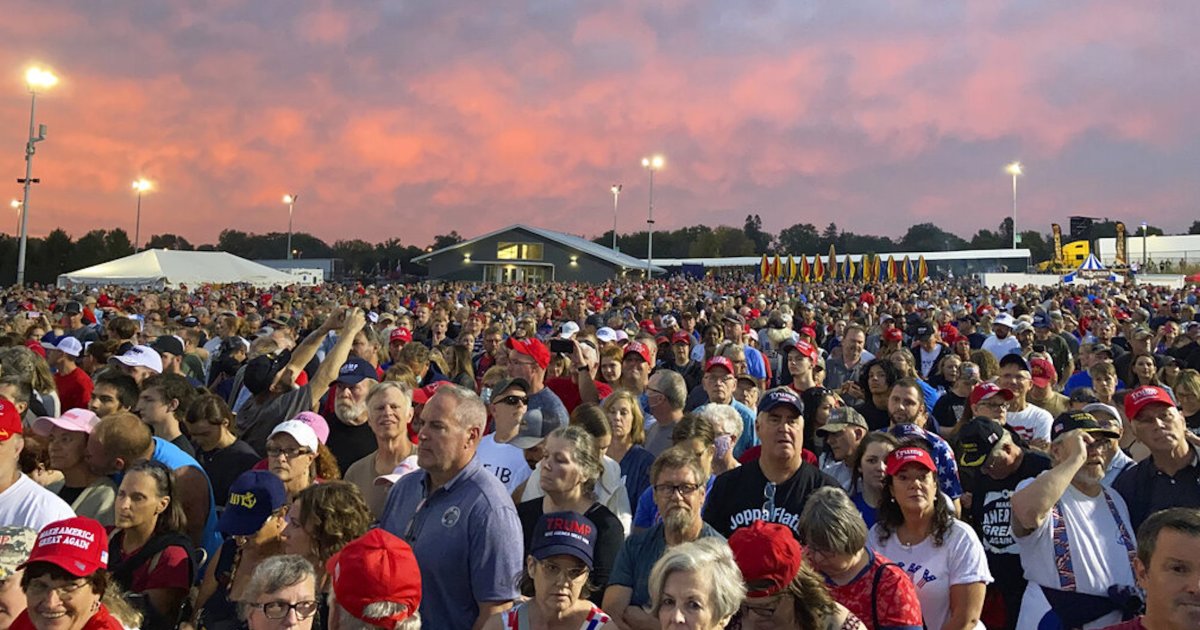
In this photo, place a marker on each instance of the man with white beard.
(678, 483)
(350, 437)
(1076, 542)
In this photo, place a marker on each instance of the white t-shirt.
(1031, 423)
(960, 560)
(1097, 555)
(1000, 347)
(837, 470)
(505, 461)
(928, 359)
(27, 504)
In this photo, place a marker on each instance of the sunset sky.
(407, 119)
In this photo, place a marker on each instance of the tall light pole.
(616, 191)
(651, 164)
(1014, 169)
(35, 79)
(290, 200)
(17, 205)
(1144, 259)
(141, 186)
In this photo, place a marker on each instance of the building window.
(519, 251)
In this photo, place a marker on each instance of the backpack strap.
(875, 590)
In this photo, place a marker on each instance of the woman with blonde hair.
(628, 434)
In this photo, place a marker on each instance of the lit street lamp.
(290, 200)
(1014, 169)
(616, 191)
(141, 186)
(651, 164)
(35, 79)
(1144, 259)
(17, 205)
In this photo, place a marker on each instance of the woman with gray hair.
(282, 594)
(696, 585)
(569, 473)
(876, 590)
(727, 427)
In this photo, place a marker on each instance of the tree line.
(58, 253)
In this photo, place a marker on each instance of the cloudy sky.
(412, 118)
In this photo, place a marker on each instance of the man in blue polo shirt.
(457, 516)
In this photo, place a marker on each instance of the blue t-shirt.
(635, 471)
(637, 557)
(174, 458)
(466, 538)
(864, 508)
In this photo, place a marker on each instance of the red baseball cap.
(1146, 395)
(10, 420)
(374, 568)
(640, 349)
(648, 326)
(531, 348)
(900, 457)
(421, 395)
(766, 553)
(986, 390)
(77, 545)
(804, 348)
(893, 334)
(400, 334)
(1042, 372)
(718, 362)
(681, 337)
(808, 331)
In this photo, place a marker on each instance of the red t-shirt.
(895, 597)
(568, 391)
(171, 570)
(74, 389)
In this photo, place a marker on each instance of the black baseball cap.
(976, 439)
(1082, 420)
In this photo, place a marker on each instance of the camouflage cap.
(15, 544)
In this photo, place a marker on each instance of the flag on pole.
(805, 268)
(791, 268)
(906, 268)
(832, 270)
(922, 269)
(891, 268)
(777, 272)
(848, 268)
(764, 269)
(818, 269)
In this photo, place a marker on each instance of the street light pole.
(1144, 259)
(141, 186)
(1014, 169)
(616, 191)
(290, 200)
(651, 164)
(34, 78)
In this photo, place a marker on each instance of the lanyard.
(1062, 547)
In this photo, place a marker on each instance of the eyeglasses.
(40, 589)
(556, 572)
(1000, 406)
(279, 610)
(669, 489)
(513, 401)
(287, 453)
(763, 611)
(769, 502)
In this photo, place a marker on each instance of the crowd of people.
(672, 453)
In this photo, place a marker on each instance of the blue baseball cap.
(355, 370)
(253, 497)
(564, 534)
(780, 396)
(1041, 321)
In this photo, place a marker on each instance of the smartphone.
(562, 346)
(32, 314)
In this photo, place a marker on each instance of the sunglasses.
(513, 400)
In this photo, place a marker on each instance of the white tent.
(171, 268)
(1091, 269)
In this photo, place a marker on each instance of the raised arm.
(1031, 503)
(328, 370)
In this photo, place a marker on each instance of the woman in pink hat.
(66, 582)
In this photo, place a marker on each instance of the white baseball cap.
(304, 434)
(68, 345)
(140, 356)
(569, 330)
(1004, 319)
(606, 335)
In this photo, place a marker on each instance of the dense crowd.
(673, 453)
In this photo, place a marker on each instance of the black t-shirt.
(949, 409)
(70, 494)
(225, 465)
(739, 497)
(877, 419)
(349, 443)
(1193, 422)
(610, 536)
(184, 445)
(991, 515)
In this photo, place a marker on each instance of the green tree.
(927, 237)
(753, 231)
(169, 241)
(1195, 229)
(442, 241)
(117, 244)
(801, 238)
(357, 255)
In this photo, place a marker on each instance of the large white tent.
(171, 268)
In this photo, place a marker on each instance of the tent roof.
(568, 240)
(172, 268)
